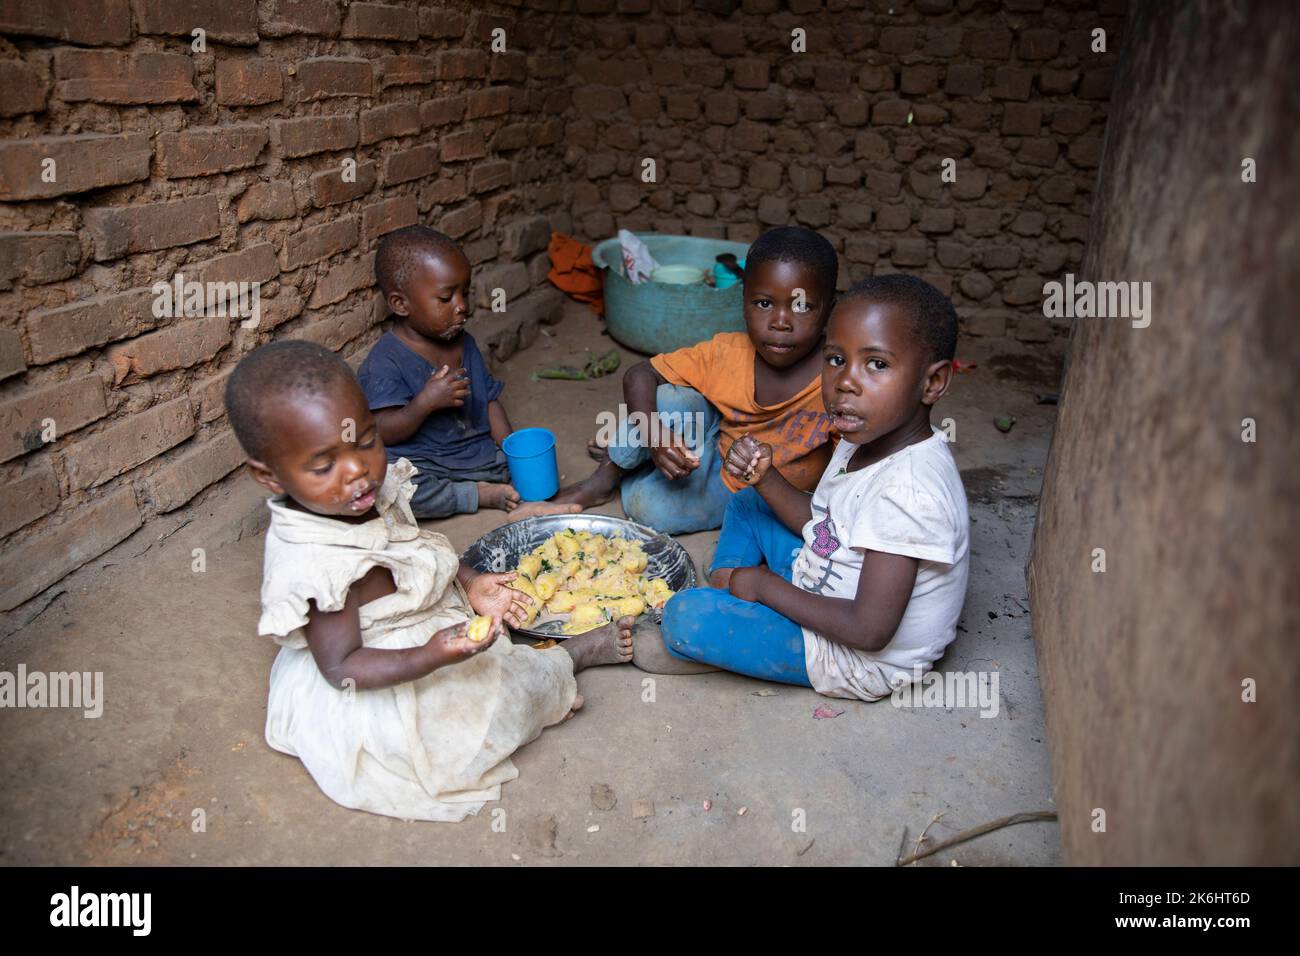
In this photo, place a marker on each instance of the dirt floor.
(176, 770)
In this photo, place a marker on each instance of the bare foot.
(611, 644)
(535, 509)
(650, 654)
(502, 497)
(573, 708)
(597, 451)
(596, 489)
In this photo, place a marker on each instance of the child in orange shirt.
(765, 382)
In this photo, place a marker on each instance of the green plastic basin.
(655, 317)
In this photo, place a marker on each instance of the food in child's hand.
(479, 628)
(522, 583)
(590, 577)
(744, 459)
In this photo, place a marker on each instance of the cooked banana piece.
(530, 565)
(584, 618)
(527, 586)
(657, 592)
(591, 577)
(562, 603)
(629, 607)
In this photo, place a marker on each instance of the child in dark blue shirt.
(426, 381)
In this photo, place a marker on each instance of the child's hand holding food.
(672, 456)
(479, 628)
(749, 459)
(491, 594)
(446, 388)
(464, 640)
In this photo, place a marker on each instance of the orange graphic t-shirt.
(722, 370)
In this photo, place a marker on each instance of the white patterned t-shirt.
(910, 503)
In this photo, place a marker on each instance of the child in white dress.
(378, 688)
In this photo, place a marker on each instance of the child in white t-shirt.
(867, 597)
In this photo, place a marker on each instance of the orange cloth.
(573, 272)
(722, 370)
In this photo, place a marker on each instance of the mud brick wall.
(1146, 666)
(226, 165)
(848, 137)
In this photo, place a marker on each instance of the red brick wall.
(848, 137)
(225, 165)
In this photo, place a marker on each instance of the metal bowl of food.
(500, 550)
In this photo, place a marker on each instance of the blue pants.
(711, 626)
(696, 502)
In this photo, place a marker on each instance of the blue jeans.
(711, 626)
(695, 502)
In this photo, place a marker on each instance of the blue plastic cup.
(534, 471)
